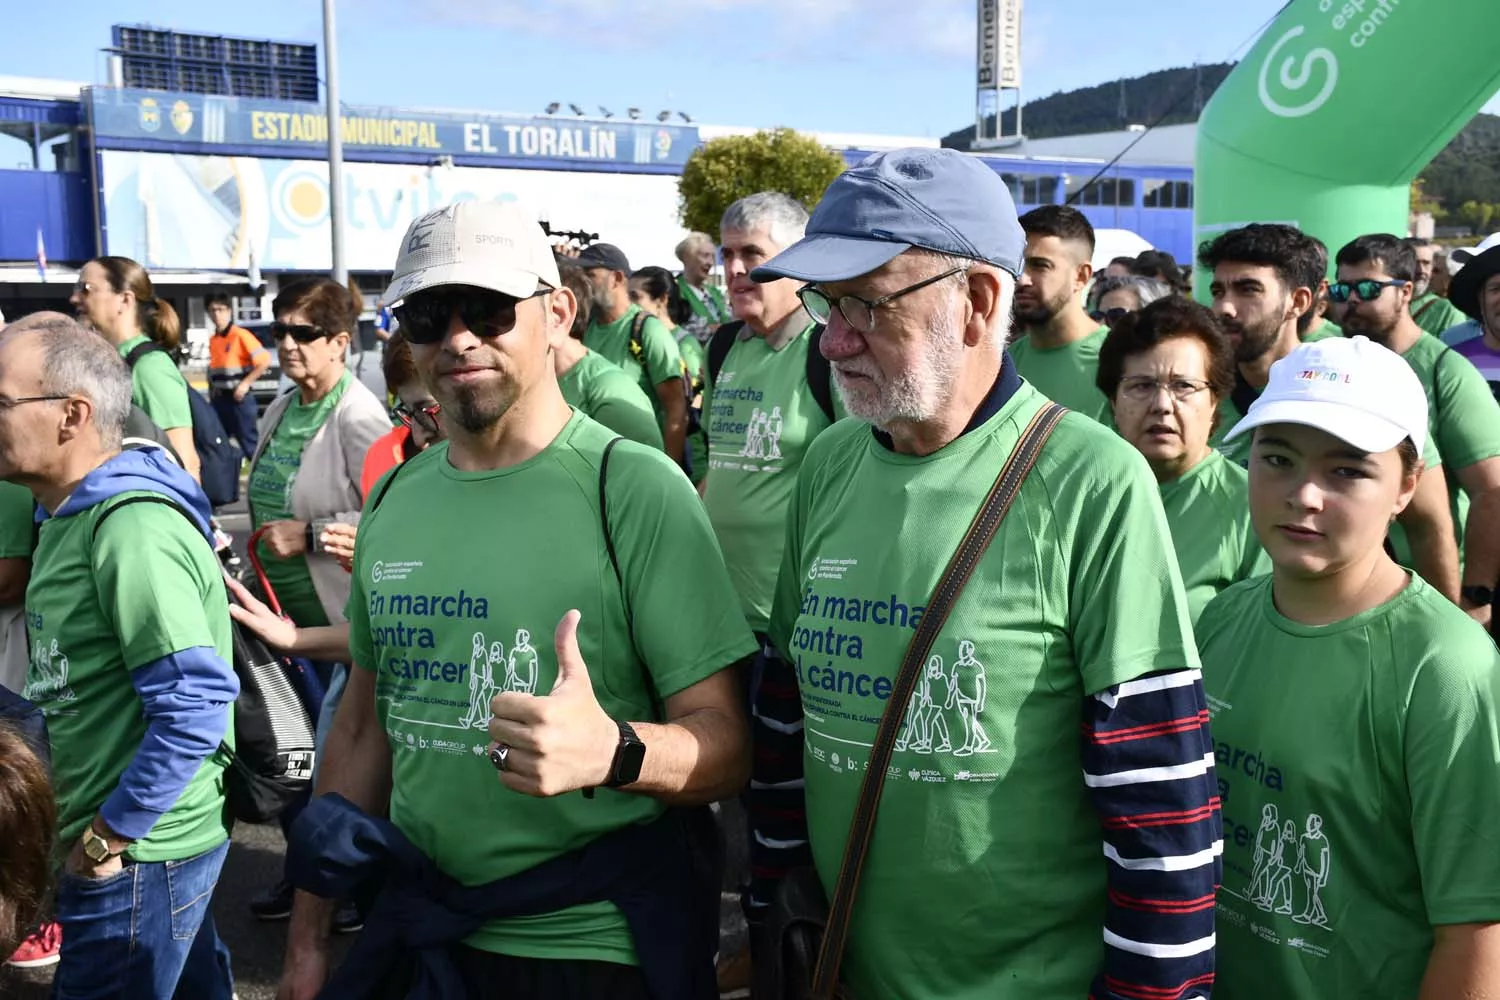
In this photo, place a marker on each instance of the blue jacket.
(647, 870)
(183, 695)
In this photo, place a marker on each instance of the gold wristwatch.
(95, 846)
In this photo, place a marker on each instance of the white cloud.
(834, 30)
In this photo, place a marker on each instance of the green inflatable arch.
(1336, 110)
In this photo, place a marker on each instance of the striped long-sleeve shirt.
(1148, 767)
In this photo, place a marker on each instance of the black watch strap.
(1480, 595)
(626, 767)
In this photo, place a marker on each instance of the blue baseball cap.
(936, 199)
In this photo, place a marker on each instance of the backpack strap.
(386, 486)
(719, 345)
(140, 351)
(820, 374)
(143, 498)
(637, 345)
(960, 568)
(224, 748)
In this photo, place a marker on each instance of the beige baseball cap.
(487, 244)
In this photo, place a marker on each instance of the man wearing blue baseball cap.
(984, 876)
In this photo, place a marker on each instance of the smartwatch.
(1479, 596)
(630, 753)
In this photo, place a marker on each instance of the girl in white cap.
(1354, 713)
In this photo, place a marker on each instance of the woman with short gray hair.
(1114, 297)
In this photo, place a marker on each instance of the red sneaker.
(40, 949)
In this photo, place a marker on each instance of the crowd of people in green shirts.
(1327, 463)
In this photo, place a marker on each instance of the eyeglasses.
(424, 317)
(426, 415)
(1368, 289)
(82, 288)
(1109, 317)
(7, 403)
(1140, 389)
(857, 312)
(302, 333)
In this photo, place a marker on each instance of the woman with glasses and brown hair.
(306, 474)
(418, 419)
(114, 295)
(1165, 369)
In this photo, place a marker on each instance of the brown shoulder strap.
(981, 532)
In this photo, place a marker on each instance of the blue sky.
(891, 66)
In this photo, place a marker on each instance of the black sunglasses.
(302, 333)
(424, 317)
(1368, 290)
(1109, 317)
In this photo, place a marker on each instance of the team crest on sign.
(182, 117)
(150, 114)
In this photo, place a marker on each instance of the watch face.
(631, 756)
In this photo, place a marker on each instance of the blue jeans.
(239, 419)
(144, 933)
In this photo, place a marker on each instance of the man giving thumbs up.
(571, 865)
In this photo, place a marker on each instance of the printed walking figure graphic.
(968, 690)
(912, 729)
(481, 685)
(1266, 839)
(934, 698)
(755, 436)
(1312, 864)
(1280, 900)
(773, 433)
(520, 669)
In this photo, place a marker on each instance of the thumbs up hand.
(560, 742)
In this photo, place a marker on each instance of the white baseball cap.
(487, 244)
(1351, 387)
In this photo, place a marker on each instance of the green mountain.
(1467, 170)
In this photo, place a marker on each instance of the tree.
(722, 171)
(1477, 214)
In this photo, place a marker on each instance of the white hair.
(1000, 333)
(780, 215)
(76, 362)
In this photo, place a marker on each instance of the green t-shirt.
(95, 613)
(694, 358)
(449, 611)
(611, 397)
(761, 417)
(984, 877)
(272, 478)
(1324, 330)
(17, 522)
(1066, 374)
(157, 386)
(1357, 764)
(1436, 314)
(1208, 509)
(660, 358)
(1463, 422)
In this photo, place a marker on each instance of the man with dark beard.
(1265, 278)
(1059, 353)
(1377, 276)
(512, 527)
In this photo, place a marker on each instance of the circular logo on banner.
(150, 114)
(663, 143)
(1298, 79)
(299, 198)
